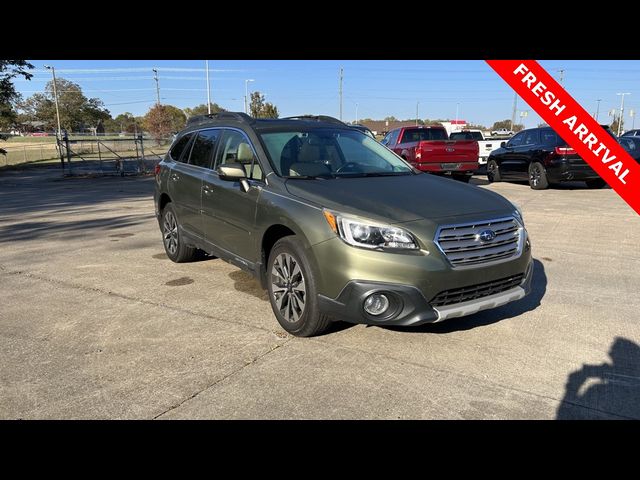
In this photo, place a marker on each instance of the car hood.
(400, 199)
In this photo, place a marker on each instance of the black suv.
(542, 157)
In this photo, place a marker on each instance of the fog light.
(376, 304)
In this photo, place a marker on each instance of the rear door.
(179, 154)
(228, 211)
(188, 185)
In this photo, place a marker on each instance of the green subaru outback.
(335, 226)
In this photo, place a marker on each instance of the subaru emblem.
(487, 235)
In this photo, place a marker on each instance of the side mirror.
(231, 172)
(503, 145)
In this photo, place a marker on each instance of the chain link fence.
(101, 155)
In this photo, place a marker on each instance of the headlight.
(368, 235)
(518, 214)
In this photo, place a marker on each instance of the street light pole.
(246, 95)
(513, 113)
(621, 111)
(206, 66)
(155, 76)
(340, 91)
(632, 114)
(417, 110)
(356, 113)
(598, 109)
(55, 96)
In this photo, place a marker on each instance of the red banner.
(556, 107)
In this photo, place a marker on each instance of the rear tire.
(538, 176)
(493, 172)
(292, 290)
(596, 183)
(174, 245)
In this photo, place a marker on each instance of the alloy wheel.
(535, 175)
(288, 287)
(170, 232)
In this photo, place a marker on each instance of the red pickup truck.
(430, 150)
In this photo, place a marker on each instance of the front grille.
(457, 295)
(462, 244)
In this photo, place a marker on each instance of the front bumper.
(408, 305)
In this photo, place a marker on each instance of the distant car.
(365, 130)
(631, 144)
(501, 131)
(631, 133)
(542, 157)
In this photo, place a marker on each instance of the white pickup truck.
(485, 147)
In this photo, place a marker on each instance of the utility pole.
(55, 95)
(621, 111)
(597, 109)
(513, 113)
(155, 76)
(206, 66)
(457, 109)
(632, 114)
(356, 113)
(417, 110)
(340, 91)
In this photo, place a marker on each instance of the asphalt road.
(96, 322)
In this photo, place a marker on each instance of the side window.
(530, 137)
(548, 138)
(203, 148)
(179, 147)
(235, 148)
(385, 140)
(517, 140)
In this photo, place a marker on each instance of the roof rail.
(317, 118)
(238, 116)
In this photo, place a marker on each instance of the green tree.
(261, 109)
(76, 110)
(9, 69)
(614, 124)
(203, 110)
(163, 120)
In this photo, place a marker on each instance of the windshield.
(330, 153)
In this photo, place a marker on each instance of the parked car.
(335, 226)
(631, 133)
(542, 157)
(632, 145)
(429, 149)
(501, 132)
(485, 147)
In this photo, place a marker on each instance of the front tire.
(538, 176)
(292, 290)
(596, 183)
(174, 245)
(493, 171)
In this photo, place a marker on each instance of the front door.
(228, 211)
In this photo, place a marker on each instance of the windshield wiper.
(310, 177)
(374, 174)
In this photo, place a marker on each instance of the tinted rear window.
(550, 138)
(420, 134)
(465, 136)
(178, 148)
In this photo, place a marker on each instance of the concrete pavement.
(96, 322)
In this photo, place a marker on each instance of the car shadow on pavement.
(487, 317)
(608, 390)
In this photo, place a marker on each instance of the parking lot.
(96, 322)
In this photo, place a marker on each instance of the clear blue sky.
(379, 87)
